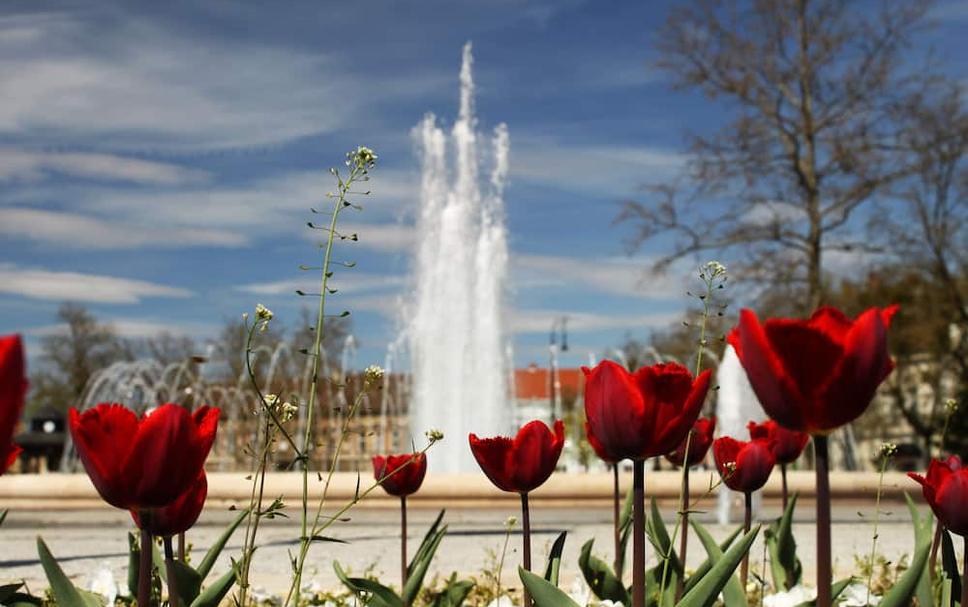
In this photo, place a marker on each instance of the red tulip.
(818, 374)
(13, 389)
(401, 474)
(946, 490)
(178, 516)
(143, 463)
(523, 463)
(640, 415)
(699, 443)
(751, 462)
(787, 444)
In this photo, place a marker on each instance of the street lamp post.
(559, 326)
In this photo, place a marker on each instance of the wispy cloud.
(136, 327)
(626, 276)
(75, 286)
(28, 165)
(347, 282)
(537, 321)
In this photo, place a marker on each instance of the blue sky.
(157, 162)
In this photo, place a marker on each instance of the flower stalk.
(824, 569)
(887, 450)
(144, 569)
(526, 538)
(638, 533)
(403, 544)
(747, 523)
(174, 599)
(616, 530)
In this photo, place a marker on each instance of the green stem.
(616, 530)
(877, 515)
(403, 545)
(747, 523)
(638, 533)
(684, 518)
(144, 570)
(526, 554)
(824, 569)
(174, 599)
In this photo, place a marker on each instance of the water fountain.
(457, 329)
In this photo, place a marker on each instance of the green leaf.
(625, 532)
(784, 564)
(369, 592)
(65, 594)
(946, 592)
(543, 592)
(600, 578)
(705, 566)
(949, 562)
(3, 517)
(554, 559)
(187, 579)
(454, 593)
(901, 594)
(657, 532)
(734, 595)
(205, 565)
(134, 562)
(8, 590)
(923, 534)
(213, 595)
(416, 575)
(706, 591)
(20, 599)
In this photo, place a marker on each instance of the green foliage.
(543, 592)
(64, 592)
(599, 577)
(706, 591)
(949, 564)
(554, 558)
(911, 584)
(453, 594)
(734, 594)
(784, 564)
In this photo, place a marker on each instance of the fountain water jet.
(456, 332)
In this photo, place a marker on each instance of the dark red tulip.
(787, 444)
(401, 474)
(523, 463)
(752, 463)
(13, 390)
(148, 462)
(818, 374)
(178, 516)
(699, 443)
(946, 489)
(640, 415)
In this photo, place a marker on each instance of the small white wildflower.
(363, 158)
(102, 583)
(888, 449)
(712, 269)
(372, 374)
(434, 435)
(951, 405)
(287, 411)
(262, 312)
(511, 522)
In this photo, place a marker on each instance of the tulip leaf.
(543, 592)
(205, 565)
(187, 579)
(453, 594)
(946, 588)
(705, 566)
(657, 532)
(425, 544)
(706, 591)
(949, 562)
(418, 569)
(907, 585)
(213, 594)
(370, 592)
(134, 562)
(625, 531)
(19, 599)
(600, 578)
(3, 517)
(554, 559)
(64, 592)
(923, 534)
(734, 594)
(784, 564)
(8, 590)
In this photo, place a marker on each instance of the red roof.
(532, 382)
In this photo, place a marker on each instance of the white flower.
(373, 374)
(434, 435)
(855, 595)
(791, 598)
(712, 269)
(501, 601)
(363, 158)
(102, 582)
(262, 312)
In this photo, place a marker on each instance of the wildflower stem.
(526, 554)
(403, 544)
(500, 564)
(824, 571)
(638, 533)
(684, 518)
(615, 522)
(877, 515)
(174, 599)
(144, 570)
(935, 544)
(747, 523)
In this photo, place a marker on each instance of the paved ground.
(87, 541)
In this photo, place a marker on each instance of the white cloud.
(538, 321)
(75, 286)
(345, 282)
(386, 237)
(75, 231)
(20, 164)
(627, 276)
(135, 327)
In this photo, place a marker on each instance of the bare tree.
(810, 89)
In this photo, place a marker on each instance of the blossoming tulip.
(945, 489)
(13, 389)
(699, 443)
(818, 374)
(787, 445)
(178, 516)
(640, 415)
(402, 475)
(523, 463)
(141, 463)
(744, 466)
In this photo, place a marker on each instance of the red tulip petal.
(177, 517)
(13, 390)
(849, 387)
(103, 438)
(165, 458)
(775, 389)
(10, 458)
(950, 499)
(830, 321)
(534, 455)
(614, 410)
(491, 455)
